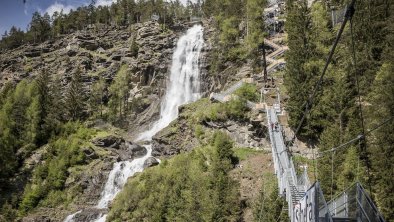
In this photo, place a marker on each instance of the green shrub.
(245, 153)
(236, 108)
(248, 92)
(198, 131)
(269, 206)
(8, 213)
(31, 197)
(188, 187)
(54, 198)
(49, 178)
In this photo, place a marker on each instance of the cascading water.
(184, 84)
(183, 87)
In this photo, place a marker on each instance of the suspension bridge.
(305, 200)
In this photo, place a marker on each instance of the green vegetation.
(244, 153)
(119, 91)
(134, 48)
(20, 117)
(270, 206)
(47, 184)
(336, 115)
(32, 116)
(192, 186)
(74, 101)
(241, 31)
(248, 92)
(204, 110)
(220, 112)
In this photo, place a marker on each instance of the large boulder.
(90, 214)
(33, 53)
(39, 218)
(89, 45)
(72, 52)
(90, 153)
(150, 162)
(109, 141)
(136, 150)
(116, 57)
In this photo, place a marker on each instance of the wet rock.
(150, 162)
(91, 214)
(109, 141)
(128, 151)
(136, 150)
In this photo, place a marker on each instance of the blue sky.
(14, 12)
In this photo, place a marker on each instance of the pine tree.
(21, 101)
(74, 97)
(119, 91)
(33, 121)
(96, 97)
(55, 116)
(42, 84)
(381, 142)
(8, 143)
(255, 29)
(297, 78)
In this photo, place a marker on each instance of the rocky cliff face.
(100, 53)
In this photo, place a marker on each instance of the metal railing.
(288, 182)
(354, 203)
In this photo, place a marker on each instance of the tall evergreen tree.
(297, 78)
(74, 97)
(55, 115)
(96, 97)
(119, 91)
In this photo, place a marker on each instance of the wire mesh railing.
(306, 202)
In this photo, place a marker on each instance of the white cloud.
(58, 7)
(105, 2)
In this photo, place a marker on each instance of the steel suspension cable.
(362, 142)
(348, 15)
(358, 137)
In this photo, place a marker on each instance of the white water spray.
(184, 84)
(118, 177)
(70, 218)
(183, 87)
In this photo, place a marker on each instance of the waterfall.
(118, 177)
(184, 84)
(70, 218)
(183, 87)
